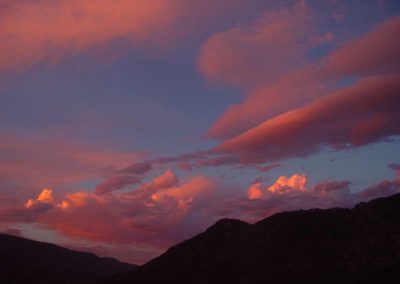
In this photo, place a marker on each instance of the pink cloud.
(289, 92)
(166, 210)
(55, 29)
(275, 44)
(28, 163)
(353, 116)
(282, 185)
(166, 180)
(373, 53)
(262, 202)
(128, 176)
(255, 191)
(152, 216)
(149, 214)
(376, 52)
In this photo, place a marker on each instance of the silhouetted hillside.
(26, 261)
(359, 245)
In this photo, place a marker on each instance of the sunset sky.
(127, 126)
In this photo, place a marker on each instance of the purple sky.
(128, 126)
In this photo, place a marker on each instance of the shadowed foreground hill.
(26, 261)
(359, 245)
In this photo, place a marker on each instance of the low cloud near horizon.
(128, 126)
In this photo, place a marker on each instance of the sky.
(128, 126)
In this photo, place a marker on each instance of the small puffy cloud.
(31, 210)
(283, 183)
(152, 216)
(45, 196)
(166, 210)
(255, 191)
(292, 193)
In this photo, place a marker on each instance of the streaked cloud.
(300, 82)
(48, 31)
(354, 116)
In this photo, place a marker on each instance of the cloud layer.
(166, 210)
(353, 116)
(307, 85)
(294, 193)
(295, 82)
(153, 216)
(43, 30)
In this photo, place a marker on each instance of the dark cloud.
(137, 168)
(116, 183)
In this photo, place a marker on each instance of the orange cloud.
(255, 191)
(45, 196)
(154, 215)
(81, 198)
(145, 222)
(292, 193)
(283, 183)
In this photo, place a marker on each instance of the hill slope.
(359, 245)
(27, 261)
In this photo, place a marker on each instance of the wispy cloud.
(37, 31)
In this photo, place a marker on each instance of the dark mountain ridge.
(359, 245)
(27, 261)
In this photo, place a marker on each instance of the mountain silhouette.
(358, 245)
(26, 261)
